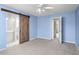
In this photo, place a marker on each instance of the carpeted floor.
(42, 47)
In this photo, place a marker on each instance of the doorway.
(24, 28)
(57, 29)
(12, 29)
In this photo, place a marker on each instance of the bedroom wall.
(77, 27)
(2, 30)
(32, 26)
(44, 26)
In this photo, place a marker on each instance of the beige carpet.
(42, 47)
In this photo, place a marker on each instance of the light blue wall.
(2, 30)
(77, 27)
(44, 26)
(32, 26)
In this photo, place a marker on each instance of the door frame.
(60, 29)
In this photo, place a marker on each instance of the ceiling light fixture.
(39, 10)
(42, 8)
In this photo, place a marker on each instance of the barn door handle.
(20, 30)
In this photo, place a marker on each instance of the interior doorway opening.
(12, 29)
(57, 29)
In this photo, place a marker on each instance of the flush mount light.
(42, 8)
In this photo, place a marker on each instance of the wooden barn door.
(24, 28)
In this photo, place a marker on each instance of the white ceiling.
(31, 8)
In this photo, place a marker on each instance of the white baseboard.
(70, 42)
(44, 38)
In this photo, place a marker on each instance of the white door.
(58, 33)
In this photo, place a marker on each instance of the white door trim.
(60, 30)
(52, 22)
